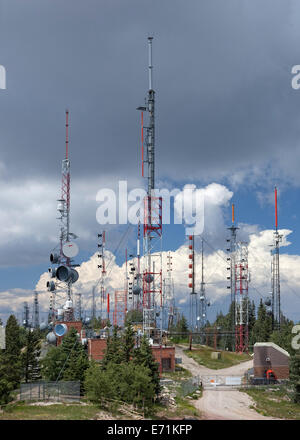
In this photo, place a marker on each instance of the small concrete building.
(269, 357)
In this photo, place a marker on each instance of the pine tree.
(30, 356)
(113, 352)
(295, 377)
(134, 316)
(128, 341)
(283, 338)
(183, 325)
(12, 353)
(5, 385)
(76, 357)
(53, 363)
(143, 356)
(68, 361)
(98, 384)
(262, 328)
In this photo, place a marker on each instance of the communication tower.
(203, 303)
(62, 273)
(35, 313)
(231, 259)
(241, 298)
(152, 257)
(276, 309)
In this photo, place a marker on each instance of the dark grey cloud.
(222, 76)
(225, 106)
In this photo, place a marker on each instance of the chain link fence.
(190, 386)
(51, 391)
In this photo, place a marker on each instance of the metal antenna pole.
(68, 274)
(36, 319)
(241, 299)
(232, 249)
(203, 300)
(93, 303)
(276, 308)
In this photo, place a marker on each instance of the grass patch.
(23, 411)
(202, 355)
(183, 409)
(179, 374)
(274, 403)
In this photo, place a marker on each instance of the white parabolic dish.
(70, 249)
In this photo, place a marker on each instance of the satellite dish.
(52, 272)
(63, 273)
(74, 275)
(136, 290)
(50, 286)
(51, 338)
(70, 249)
(60, 329)
(54, 258)
(43, 326)
(148, 278)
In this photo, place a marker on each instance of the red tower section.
(120, 308)
(152, 280)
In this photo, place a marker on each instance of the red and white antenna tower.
(65, 198)
(241, 298)
(67, 249)
(192, 284)
(231, 249)
(120, 308)
(152, 271)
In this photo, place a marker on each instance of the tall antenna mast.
(232, 250)
(192, 283)
(203, 300)
(35, 317)
(152, 279)
(276, 307)
(65, 272)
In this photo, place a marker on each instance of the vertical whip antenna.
(150, 62)
(233, 213)
(67, 133)
(276, 213)
(142, 139)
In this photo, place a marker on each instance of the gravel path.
(222, 404)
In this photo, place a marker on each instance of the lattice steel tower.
(152, 270)
(202, 300)
(241, 298)
(232, 249)
(192, 285)
(61, 301)
(35, 313)
(276, 310)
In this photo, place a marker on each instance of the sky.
(227, 121)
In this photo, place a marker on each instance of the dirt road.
(222, 404)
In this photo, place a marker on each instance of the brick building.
(96, 349)
(164, 356)
(70, 324)
(269, 356)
